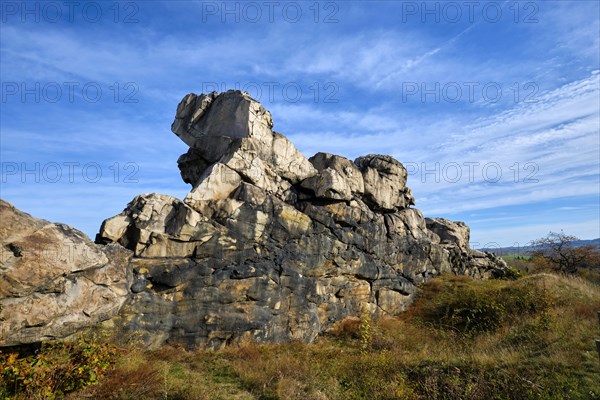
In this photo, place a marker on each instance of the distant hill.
(526, 250)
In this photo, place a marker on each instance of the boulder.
(218, 127)
(54, 281)
(457, 233)
(385, 183)
(345, 168)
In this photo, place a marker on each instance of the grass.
(531, 338)
(515, 257)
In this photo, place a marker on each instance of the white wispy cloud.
(558, 135)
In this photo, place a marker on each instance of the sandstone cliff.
(267, 246)
(271, 246)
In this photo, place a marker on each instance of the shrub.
(512, 273)
(54, 370)
(482, 306)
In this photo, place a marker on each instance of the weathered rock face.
(338, 178)
(270, 246)
(54, 280)
(231, 139)
(385, 180)
(267, 246)
(450, 232)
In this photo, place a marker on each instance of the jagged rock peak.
(232, 141)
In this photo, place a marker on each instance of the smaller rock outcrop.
(338, 178)
(385, 183)
(54, 280)
(450, 232)
(454, 236)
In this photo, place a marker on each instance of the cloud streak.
(554, 138)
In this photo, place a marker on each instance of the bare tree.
(557, 250)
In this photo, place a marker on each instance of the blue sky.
(493, 106)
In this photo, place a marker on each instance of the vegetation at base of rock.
(366, 336)
(539, 346)
(472, 307)
(56, 369)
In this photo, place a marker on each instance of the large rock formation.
(271, 246)
(54, 280)
(267, 246)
